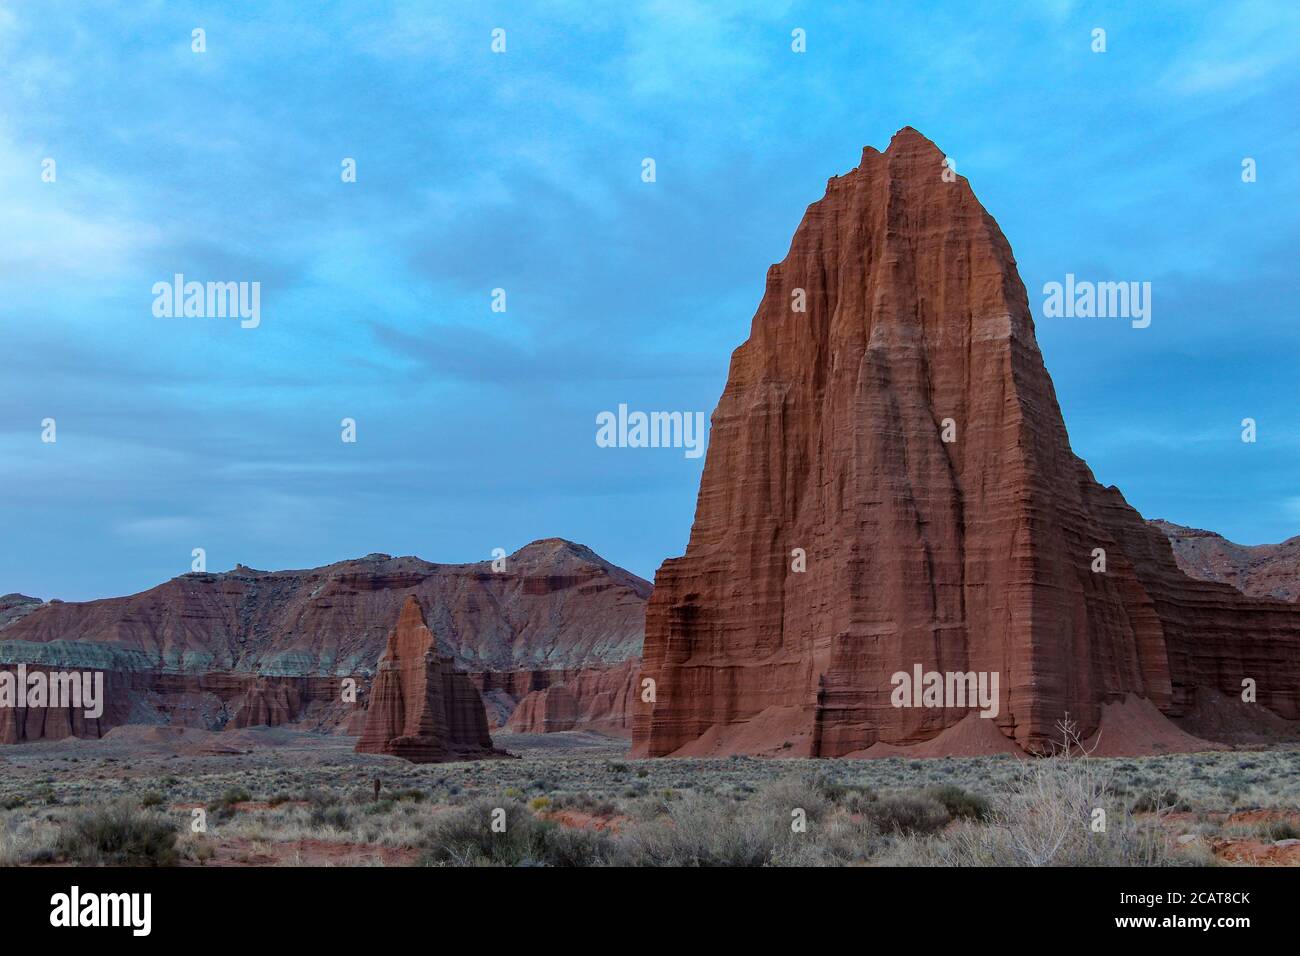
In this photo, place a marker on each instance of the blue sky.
(522, 171)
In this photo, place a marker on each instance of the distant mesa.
(246, 648)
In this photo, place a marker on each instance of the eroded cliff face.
(973, 554)
(1262, 570)
(554, 604)
(248, 648)
(601, 699)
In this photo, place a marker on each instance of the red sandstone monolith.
(889, 483)
(419, 708)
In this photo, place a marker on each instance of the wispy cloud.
(522, 171)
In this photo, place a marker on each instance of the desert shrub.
(565, 846)
(319, 798)
(717, 831)
(596, 805)
(1046, 819)
(466, 838)
(907, 813)
(960, 804)
(334, 816)
(152, 798)
(196, 850)
(226, 805)
(1151, 801)
(789, 793)
(700, 831)
(1283, 830)
(119, 834)
(853, 799)
(26, 840)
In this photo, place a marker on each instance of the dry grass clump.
(506, 833)
(25, 840)
(119, 834)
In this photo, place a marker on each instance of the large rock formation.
(902, 432)
(248, 647)
(420, 708)
(1262, 570)
(593, 698)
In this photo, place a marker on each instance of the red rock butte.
(969, 555)
(419, 708)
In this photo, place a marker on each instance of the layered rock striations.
(601, 699)
(420, 708)
(246, 647)
(1261, 570)
(553, 604)
(901, 437)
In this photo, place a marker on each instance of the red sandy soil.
(1132, 727)
(1257, 852)
(972, 736)
(754, 736)
(1136, 728)
(578, 820)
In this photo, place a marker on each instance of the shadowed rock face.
(419, 708)
(1262, 570)
(968, 555)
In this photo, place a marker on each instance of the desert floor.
(276, 797)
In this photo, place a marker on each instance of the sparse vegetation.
(118, 834)
(598, 807)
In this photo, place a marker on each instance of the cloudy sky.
(522, 171)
